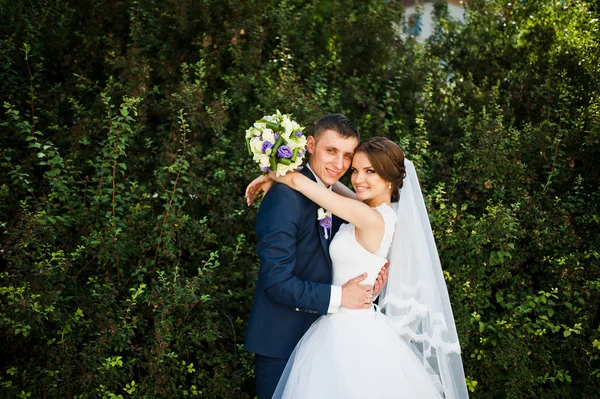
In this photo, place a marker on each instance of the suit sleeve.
(276, 228)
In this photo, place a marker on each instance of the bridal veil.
(415, 298)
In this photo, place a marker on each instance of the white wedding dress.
(355, 353)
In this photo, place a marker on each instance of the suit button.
(297, 310)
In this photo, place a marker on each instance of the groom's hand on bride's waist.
(355, 295)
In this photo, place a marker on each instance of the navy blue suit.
(294, 280)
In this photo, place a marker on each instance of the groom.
(294, 281)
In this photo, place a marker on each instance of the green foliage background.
(127, 260)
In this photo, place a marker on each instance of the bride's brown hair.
(387, 158)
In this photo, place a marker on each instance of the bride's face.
(368, 185)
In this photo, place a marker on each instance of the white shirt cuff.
(335, 299)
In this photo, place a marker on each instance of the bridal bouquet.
(276, 143)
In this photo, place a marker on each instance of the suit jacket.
(294, 280)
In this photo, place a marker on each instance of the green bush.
(127, 262)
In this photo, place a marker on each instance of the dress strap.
(389, 219)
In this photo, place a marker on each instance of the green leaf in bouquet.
(277, 144)
(248, 146)
(269, 124)
(295, 154)
(273, 125)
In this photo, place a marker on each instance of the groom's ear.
(310, 144)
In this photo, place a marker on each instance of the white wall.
(456, 12)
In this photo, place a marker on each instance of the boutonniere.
(324, 219)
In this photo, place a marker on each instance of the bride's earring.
(390, 185)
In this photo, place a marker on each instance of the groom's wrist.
(335, 299)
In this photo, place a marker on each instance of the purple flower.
(301, 152)
(265, 169)
(325, 223)
(284, 152)
(266, 145)
(276, 136)
(298, 134)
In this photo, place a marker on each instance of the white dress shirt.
(335, 298)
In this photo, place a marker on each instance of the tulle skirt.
(354, 354)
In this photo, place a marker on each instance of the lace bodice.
(350, 259)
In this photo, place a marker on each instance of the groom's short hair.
(338, 123)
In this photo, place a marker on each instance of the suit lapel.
(325, 243)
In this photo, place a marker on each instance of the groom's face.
(330, 155)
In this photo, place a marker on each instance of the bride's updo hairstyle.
(387, 158)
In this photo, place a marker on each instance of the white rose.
(282, 169)
(299, 142)
(256, 145)
(265, 161)
(252, 132)
(262, 160)
(288, 125)
(297, 163)
(268, 135)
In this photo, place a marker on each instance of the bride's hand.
(262, 183)
(287, 179)
(381, 280)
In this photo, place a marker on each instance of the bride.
(407, 347)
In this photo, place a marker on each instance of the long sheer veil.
(415, 298)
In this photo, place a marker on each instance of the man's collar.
(316, 177)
